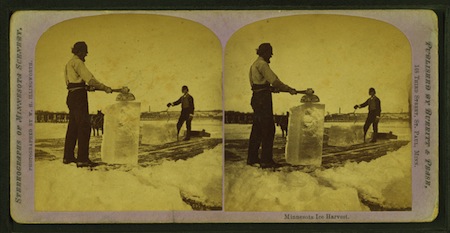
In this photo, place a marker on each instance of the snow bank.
(251, 189)
(385, 181)
(60, 187)
(199, 177)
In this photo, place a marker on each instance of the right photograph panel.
(317, 115)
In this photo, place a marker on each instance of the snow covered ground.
(385, 182)
(169, 185)
(252, 189)
(60, 187)
(174, 185)
(380, 184)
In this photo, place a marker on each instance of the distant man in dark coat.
(373, 117)
(262, 78)
(77, 76)
(187, 111)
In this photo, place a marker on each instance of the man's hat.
(264, 48)
(78, 47)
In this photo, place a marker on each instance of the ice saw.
(124, 93)
(308, 96)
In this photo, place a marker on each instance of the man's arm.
(89, 78)
(177, 102)
(273, 78)
(98, 85)
(364, 104)
(282, 87)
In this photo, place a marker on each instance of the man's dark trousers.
(371, 119)
(79, 128)
(185, 116)
(263, 128)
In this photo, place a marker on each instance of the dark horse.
(282, 121)
(97, 123)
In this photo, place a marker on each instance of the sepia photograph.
(317, 115)
(237, 116)
(128, 115)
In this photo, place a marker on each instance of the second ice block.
(342, 135)
(305, 137)
(156, 133)
(120, 142)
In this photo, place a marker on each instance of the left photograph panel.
(128, 115)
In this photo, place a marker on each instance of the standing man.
(374, 113)
(187, 111)
(79, 129)
(262, 78)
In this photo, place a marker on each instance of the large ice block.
(345, 135)
(157, 132)
(120, 142)
(305, 137)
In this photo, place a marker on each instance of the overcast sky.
(152, 55)
(340, 57)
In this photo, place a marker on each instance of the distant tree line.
(63, 117)
(233, 117)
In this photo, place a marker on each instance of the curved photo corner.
(141, 162)
(340, 57)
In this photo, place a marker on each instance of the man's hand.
(356, 107)
(124, 90)
(292, 91)
(309, 91)
(90, 88)
(169, 104)
(108, 90)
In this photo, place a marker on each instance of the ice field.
(241, 131)
(58, 130)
